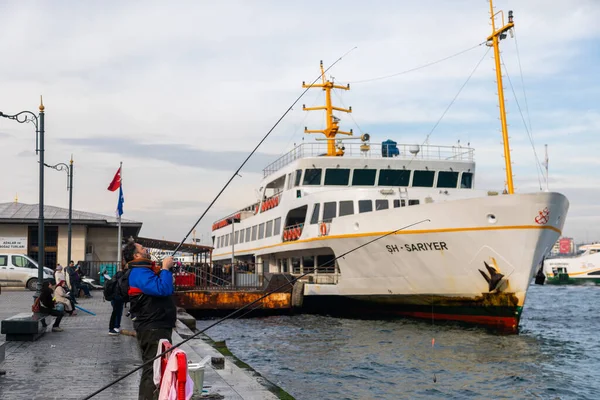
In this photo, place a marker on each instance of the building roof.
(168, 245)
(21, 213)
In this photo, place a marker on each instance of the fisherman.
(150, 295)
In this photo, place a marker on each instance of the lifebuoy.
(323, 229)
(285, 236)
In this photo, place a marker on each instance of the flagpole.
(120, 234)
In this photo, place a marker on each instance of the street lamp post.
(38, 120)
(69, 170)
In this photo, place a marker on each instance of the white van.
(20, 270)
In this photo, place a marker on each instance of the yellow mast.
(332, 128)
(494, 40)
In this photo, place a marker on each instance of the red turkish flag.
(116, 182)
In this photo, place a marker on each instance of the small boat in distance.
(472, 261)
(581, 269)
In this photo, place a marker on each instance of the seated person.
(61, 296)
(48, 305)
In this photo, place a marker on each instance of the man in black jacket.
(150, 295)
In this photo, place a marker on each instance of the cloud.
(181, 93)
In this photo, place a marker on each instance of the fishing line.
(250, 305)
(236, 173)
(420, 67)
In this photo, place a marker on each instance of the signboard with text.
(13, 243)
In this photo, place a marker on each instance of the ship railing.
(359, 149)
(292, 232)
(218, 277)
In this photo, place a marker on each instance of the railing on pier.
(218, 277)
(97, 269)
(359, 149)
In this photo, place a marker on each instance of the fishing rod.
(291, 282)
(236, 173)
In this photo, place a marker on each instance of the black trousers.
(53, 312)
(148, 342)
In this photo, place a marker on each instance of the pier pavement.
(78, 361)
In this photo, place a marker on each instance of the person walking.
(59, 274)
(151, 300)
(117, 303)
(48, 305)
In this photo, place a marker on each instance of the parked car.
(20, 270)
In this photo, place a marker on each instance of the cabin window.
(399, 203)
(269, 228)
(423, 178)
(289, 181)
(382, 205)
(308, 264)
(365, 206)
(337, 177)
(312, 177)
(254, 230)
(295, 265)
(413, 202)
(283, 265)
(346, 207)
(298, 177)
(248, 234)
(363, 177)
(261, 231)
(329, 211)
(218, 243)
(226, 240)
(237, 237)
(466, 180)
(315, 215)
(447, 179)
(241, 235)
(326, 264)
(277, 226)
(394, 177)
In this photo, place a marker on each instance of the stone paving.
(83, 358)
(69, 364)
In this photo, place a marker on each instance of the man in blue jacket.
(151, 299)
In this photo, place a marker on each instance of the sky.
(182, 91)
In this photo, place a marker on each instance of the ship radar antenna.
(332, 127)
(494, 41)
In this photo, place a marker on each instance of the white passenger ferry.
(582, 269)
(469, 257)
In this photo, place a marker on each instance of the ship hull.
(497, 312)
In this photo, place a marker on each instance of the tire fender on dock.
(298, 294)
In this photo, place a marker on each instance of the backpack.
(110, 286)
(123, 285)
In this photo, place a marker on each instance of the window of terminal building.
(315, 215)
(382, 205)
(329, 211)
(277, 227)
(248, 234)
(269, 229)
(254, 230)
(423, 178)
(466, 180)
(312, 177)
(346, 207)
(298, 177)
(261, 231)
(363, 177)
(337, 177)
(447, 179)
(365, 206)
(394, 177)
